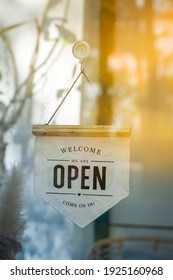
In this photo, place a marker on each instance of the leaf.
(60, 92)
(66, 34)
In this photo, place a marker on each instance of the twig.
(29, 79)
(48, 4)
(47, 58)
(28, 82)
(14, 26)
(4, 38)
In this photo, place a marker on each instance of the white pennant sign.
(81, 171)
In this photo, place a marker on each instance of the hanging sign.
(82, 171)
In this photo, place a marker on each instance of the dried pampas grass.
(12, 206)
(9, 247)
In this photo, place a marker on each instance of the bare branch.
(27, 85)
(48, 5)
(14, 26)
(10, 50)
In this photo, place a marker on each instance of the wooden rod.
(80, 131)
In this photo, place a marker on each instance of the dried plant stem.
(11, 205)
(27, 83)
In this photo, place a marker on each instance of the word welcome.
(81, 149)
